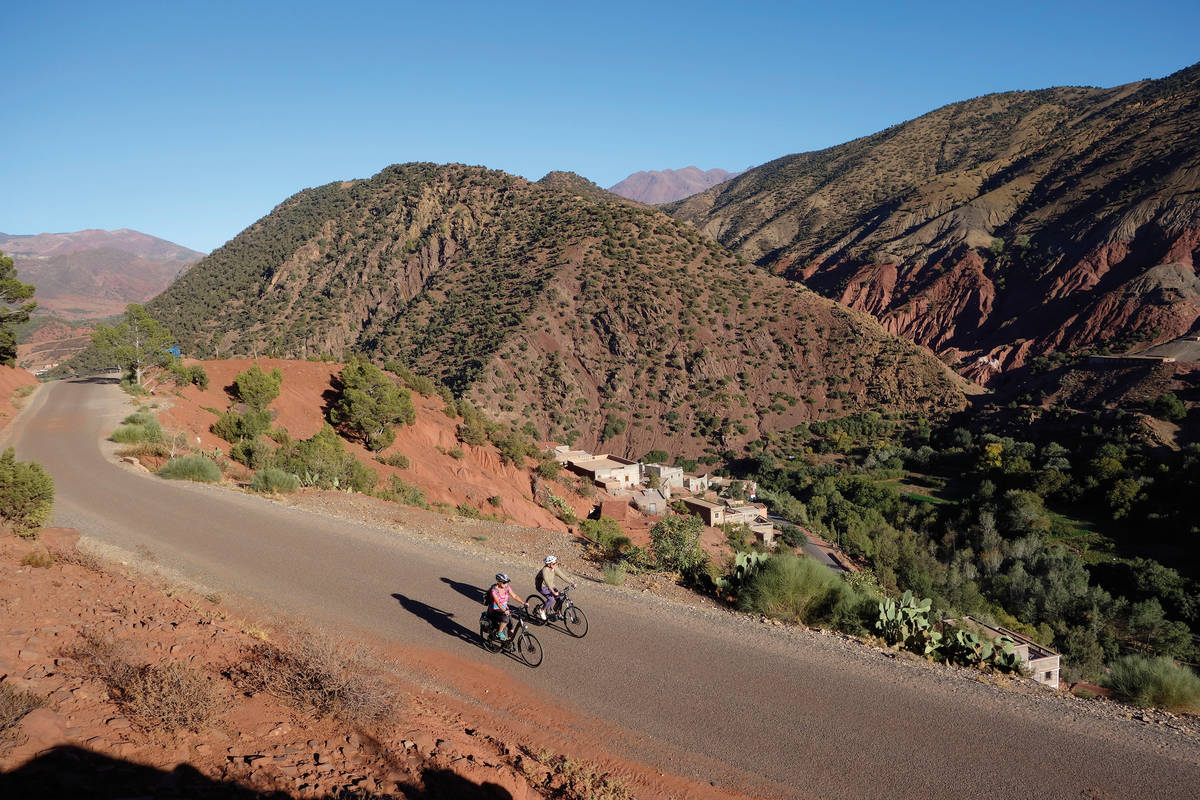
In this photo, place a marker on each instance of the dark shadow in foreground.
(68, 771)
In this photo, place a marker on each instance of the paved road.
(744, 701)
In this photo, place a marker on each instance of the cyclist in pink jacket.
(497, 604)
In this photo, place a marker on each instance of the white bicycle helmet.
(501, 577)
(551, 560)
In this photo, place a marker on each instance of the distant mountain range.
(995, 229)
(555, 305)
(663, 186)
(95, 273)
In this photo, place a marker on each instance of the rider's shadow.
(442, 620)
(466, 590)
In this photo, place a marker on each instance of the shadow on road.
(467, 590)
(442, 620)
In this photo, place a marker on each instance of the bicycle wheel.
(534, 602)
(575, 621)
(490, 643)
(529, 649)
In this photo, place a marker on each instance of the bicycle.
(574, 621)
(523, 644)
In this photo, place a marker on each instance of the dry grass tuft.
(571, 779)
(316, 672)
(170, 696)
(14, 704)
(37, 558)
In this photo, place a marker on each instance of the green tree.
(12, 292)
(256, 388)
(134, 343)
(26, 494)
(370, 404)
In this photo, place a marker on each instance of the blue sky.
(189, 121)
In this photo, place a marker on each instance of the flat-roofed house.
(611, 472)
(712, 514)
(668, 477)
(651, 501)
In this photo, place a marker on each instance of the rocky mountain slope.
(95, 273)
(663, 186)
(591, 320)
(995, 229)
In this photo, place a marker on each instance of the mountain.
(995, 229)
(663, 186)
(589, 319)
(95, 273)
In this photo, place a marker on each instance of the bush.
(185, 375)
(614, 574)
(403, 493)
(549, 469)
(274, 481)
(320, 674)
(234, 427)
(1158, 682)
(137, 434)
(254, 453)
(323, 461)
(26, 494)
(256, 388)
(1169, 407)
(399, 461)
(675, 544)
(607, 534)
(191, 468)
(799, 589)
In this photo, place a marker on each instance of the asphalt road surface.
(743, 700)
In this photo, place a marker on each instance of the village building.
(712, 514)
(695, 483)
(611, 472)
(668, 477)
(651, 501)
(1040, 662)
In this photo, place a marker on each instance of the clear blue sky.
(189, 121)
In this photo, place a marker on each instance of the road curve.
(744, 700)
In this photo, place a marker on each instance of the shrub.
(549, 469)
(234, 427)
(398, 460)
(559, 508)
(14, 704)
(185, 375)
(191, 468)
(320, 674)
(323, 461)
(675, 544)
(274, 481)
(614, 574)
(799, 589)
(403, 493)
(137, 434)
(1169, 407)
(39, 559)
(607, 534)
(1158, 682)
(26, 494)
(254, 453)
(256, 388)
